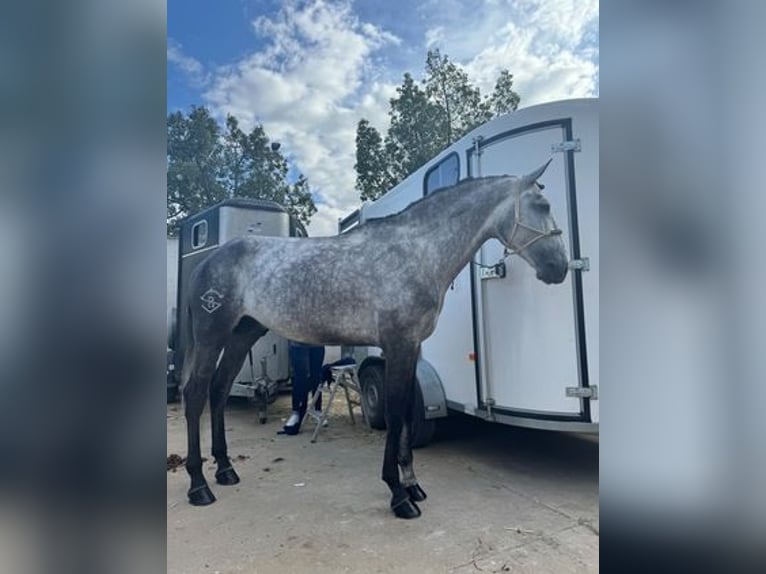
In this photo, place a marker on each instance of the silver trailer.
(508, 348)
(202, 234)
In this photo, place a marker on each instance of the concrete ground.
(500, 499)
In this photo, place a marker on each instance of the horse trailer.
(200, 235)
(508, 348)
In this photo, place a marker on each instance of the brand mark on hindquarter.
(211, 300)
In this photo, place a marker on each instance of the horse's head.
(532, 233)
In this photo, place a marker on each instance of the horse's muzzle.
(553, 272)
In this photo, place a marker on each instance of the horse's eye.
(543, 205)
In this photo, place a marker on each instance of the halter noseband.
(517, 223)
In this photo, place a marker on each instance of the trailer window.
(199, 234)
(443, 174)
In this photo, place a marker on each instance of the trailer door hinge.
(583, 392)
(582, 264)
(489, 403)
(570, 145)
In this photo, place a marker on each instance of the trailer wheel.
(371, 378)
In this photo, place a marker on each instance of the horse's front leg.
(409, 480)
(400, 374)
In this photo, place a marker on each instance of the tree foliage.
(413, 134)
(373, 172)
(461, 103)
(208, 163)
(504, 100)
(424, 121)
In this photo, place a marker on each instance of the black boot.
(293, 424)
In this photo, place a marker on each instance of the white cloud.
(192, 67)
(319, 69)
(309, 86)
(542, 71)
(434, 36)
(550, 46)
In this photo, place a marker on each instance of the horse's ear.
(531, 178)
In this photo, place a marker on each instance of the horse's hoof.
(227, 477)
(416, 493)
(406, 509)
(201, 496)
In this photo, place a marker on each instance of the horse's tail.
(188, 347)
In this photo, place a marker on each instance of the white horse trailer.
(507, 347)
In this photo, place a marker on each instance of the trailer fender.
(432, 391)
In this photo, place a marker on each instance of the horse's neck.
(458, 227)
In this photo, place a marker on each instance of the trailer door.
(531, 336)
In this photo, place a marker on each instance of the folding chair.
(345, 377)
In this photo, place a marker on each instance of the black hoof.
(406, 509)
(227, 477)
(416, 493)
(201, 496)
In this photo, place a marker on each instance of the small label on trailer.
(492, 272)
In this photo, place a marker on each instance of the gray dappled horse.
(381, 284)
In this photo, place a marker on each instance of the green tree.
(425, 121)
(504, 100)
(461, 103)
(195, 159)
(253, 168)
(372, 169)
(416, 129)
(207, 165)
(298, 200)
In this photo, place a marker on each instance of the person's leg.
(299, 363)
(316, 358)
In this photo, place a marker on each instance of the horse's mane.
(433, 196)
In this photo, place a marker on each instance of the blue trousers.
(306, 364)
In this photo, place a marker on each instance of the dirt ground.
(499, 500)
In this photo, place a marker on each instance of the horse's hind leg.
(400, 374)
(200, 366)
(244, 337)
